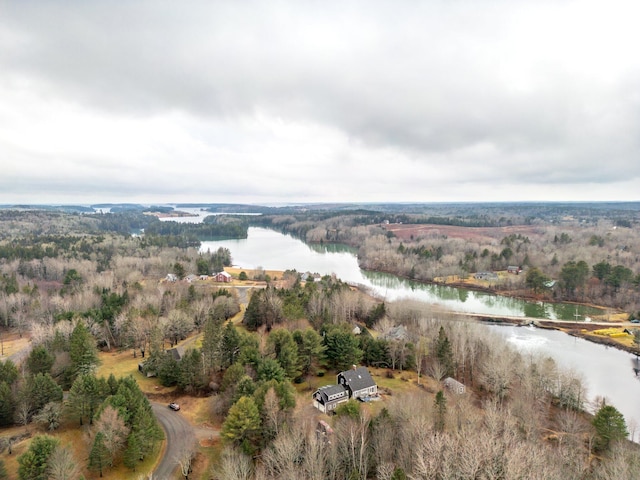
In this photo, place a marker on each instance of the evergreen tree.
(99, 456)
(168, 370)
(42, 389)
(8, 372)
(133, 452)
(310, 350)
(85, 397)
(212, 344)
(270, 369)
(7, 405)
(242, 423)
(610, 427)
(342, 348)
(284, 391)
(40, 360)
(82, 351)
(230, 349)
(254, 314)
(444, 353)
(285, 350)
(33, 463)
(440, 408)
(191, 376)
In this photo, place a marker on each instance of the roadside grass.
(195, 409)
(209, 455)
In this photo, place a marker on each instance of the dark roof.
(328, 390)
(357, 379)
(176, 353)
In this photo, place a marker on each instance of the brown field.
(11, 342)
(481, 234)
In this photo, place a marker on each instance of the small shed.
(454, 385)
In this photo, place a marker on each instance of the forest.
(77, 288)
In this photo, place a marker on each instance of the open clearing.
(482, 234)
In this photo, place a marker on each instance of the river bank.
(575, 329)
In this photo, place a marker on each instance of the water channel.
(607, 372)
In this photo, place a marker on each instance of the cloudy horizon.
(302, 102)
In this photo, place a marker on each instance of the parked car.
(635, 320)
(174, 406)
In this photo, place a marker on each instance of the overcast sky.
(306, 101)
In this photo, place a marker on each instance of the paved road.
(177, 431)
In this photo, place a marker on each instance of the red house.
(222, 277)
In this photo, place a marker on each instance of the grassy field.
(11, 342)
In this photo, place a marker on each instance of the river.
(607, 372)
(274, 251)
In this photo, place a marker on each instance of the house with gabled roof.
(355, 383)
(222, 277)
(359, 382)
(327, 398)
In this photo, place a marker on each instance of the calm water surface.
(274, 251)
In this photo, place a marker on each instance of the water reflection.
(275, 251)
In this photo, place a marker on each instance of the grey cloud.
(432, 81)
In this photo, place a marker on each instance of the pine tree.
(254, 314)
(8, 372)
(610, 427)
(342, 348)
(133, 452)
(440, 407)
(212, 343)
(285, 351)
(444, 353)
(42, 389)
(82, 350)
(191, 377)
(310, 349)
(7, 405)
(85, 396)
(230, 348)
(242, 423)
(33, 463)
(99, 456)
(40, 360)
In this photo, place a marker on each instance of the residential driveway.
(178, 431)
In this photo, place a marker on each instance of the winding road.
(177, 431)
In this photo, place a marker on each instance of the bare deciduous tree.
(186, 455)
(62, 465)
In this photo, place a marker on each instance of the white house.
(454, 385)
